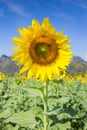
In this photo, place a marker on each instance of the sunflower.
(69, 77)
(41, 50)
(62, 74)
(2, 75)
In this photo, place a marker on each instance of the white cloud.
(18, 9)
(65, 16)
(2, 14)
(57, 11)
(79, 3)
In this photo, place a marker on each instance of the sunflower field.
(21, 103)
(42, 96)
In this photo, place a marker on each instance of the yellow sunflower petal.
(47, 27)
(36, 24)
(25, 67)
(18, 41)
(43, 74)
(32, 71)
(23, 32)
(41, 50)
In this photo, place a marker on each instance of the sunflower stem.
(46, 122)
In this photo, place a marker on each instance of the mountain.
(78, 65)
(77, 58)
(7, 66)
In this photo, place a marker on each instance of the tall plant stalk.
(46, 122)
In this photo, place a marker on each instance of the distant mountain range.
(7, 66)
(77, 66)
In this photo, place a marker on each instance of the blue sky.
(67, 15)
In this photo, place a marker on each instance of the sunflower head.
(41, 50)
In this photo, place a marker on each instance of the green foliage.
(21, 105)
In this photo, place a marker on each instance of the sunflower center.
(43, 50)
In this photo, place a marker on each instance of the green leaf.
(63, 100)
(60, 126)
(65, 126)
(23, 118)
(85, 122)
(10, 127)
(35, 92)
(6, 113)
(54, 111)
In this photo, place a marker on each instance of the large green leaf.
(36, 92)
(23, 118)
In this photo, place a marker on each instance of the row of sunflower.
(70, 78)
(2, 75)
(63, 75)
